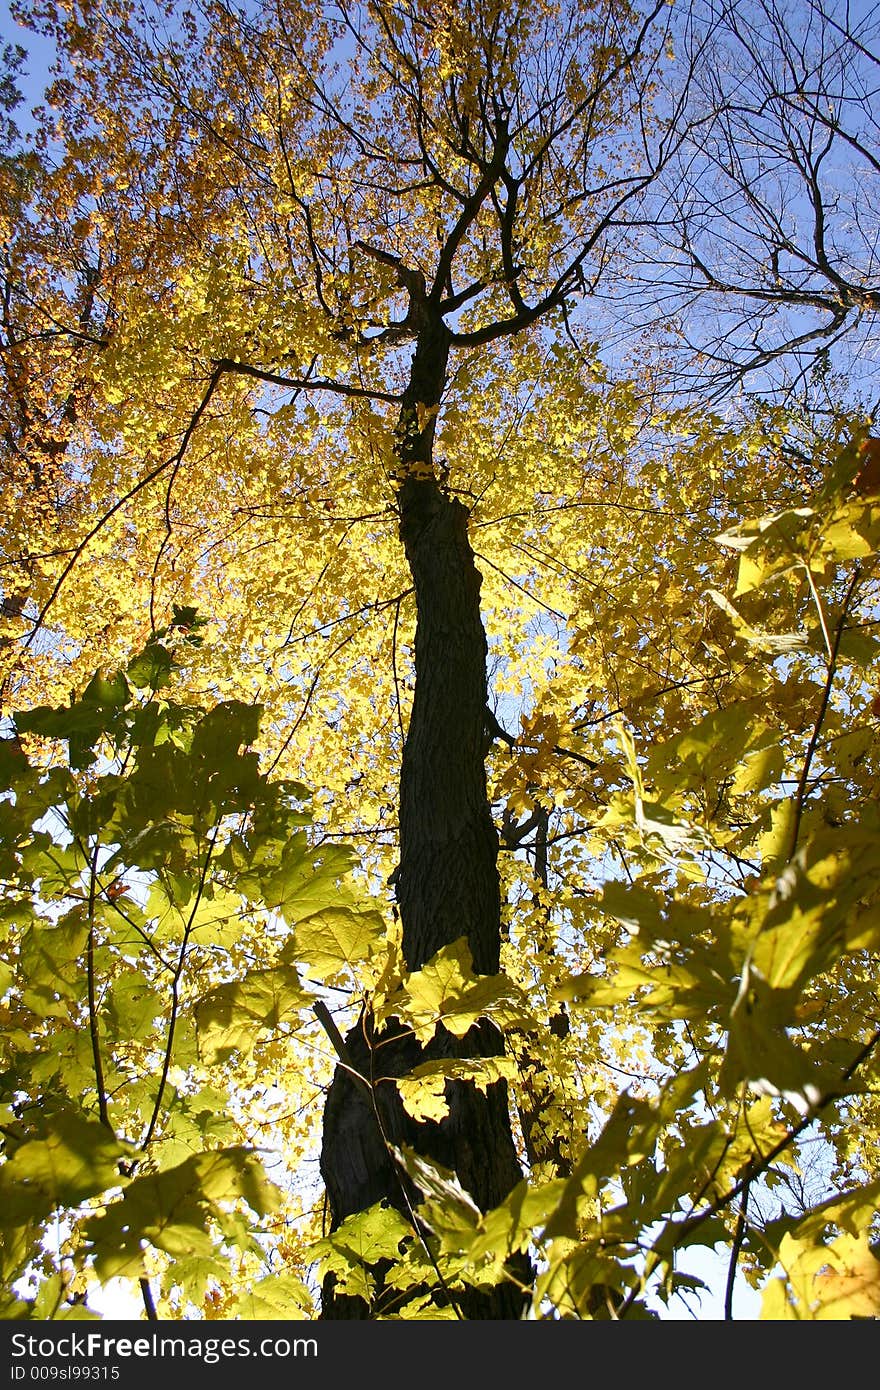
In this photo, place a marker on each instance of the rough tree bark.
(447, 882)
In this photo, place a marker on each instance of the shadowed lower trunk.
(447, 887)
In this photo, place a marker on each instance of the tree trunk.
(447, 882)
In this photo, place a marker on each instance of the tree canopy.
(439, 828)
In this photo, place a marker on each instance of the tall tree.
(457, 178)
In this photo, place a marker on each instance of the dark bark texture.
(447, 885)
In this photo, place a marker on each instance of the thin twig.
(328, 1023)
(739, 1236)
(175, 1000)
(103, 1112)
(834, 650)
(523, 590)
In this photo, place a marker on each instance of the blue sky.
(40, 53)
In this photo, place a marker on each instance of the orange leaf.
(867, 481)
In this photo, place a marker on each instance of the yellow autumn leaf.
(423, 1090)
(822, 1283)
(447, 991)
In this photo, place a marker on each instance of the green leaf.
(224, 729)
(51, 954)
(193, 1274)
(280, 1297)
(760, 1051)
(77, 1158)
(107, 692)
(133, 1006)
(589, 1283)
(359, 1241)
(81, 725)
(234, 1016)
(447, 991)
(174, 1210)
(151, 668)
(512, 1225)
(628, 1136)
(51, 1302)
(15, 770)
(671, 968)
(335, 939)
(448, 1209)
(304, 881)
(215, 918)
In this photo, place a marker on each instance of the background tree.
(329, 391)
(766, 225)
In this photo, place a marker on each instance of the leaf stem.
(175, 997)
